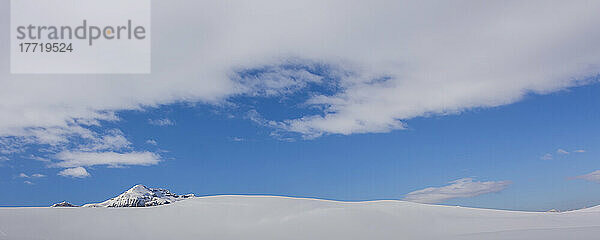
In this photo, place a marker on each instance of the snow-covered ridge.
(142, 196)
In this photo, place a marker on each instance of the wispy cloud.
(151, 142)
(546, 156)
(10, 145)
(257, 118)
(38, 158)
(592, 177)
(28, 182)
(70, 159)
(77, 172)
(35, 175)
(161, 122)
(562, 151)
(113, 140)
(461, 188)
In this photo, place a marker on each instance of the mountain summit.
(142, 196)
(64, 204)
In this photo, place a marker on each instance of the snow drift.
(268, 217)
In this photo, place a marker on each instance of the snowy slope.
(141, 196)
(270, 218)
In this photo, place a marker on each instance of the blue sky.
(212, 150)
(491, 105)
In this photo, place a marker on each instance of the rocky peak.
(64, 204)
(142, 196)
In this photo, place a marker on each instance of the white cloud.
(28, 182)
(35, 175)
(562, 151)
(237, 139)
(112, 140)
(38, 158)
(592, 177)
(11, 145)
(461, 188)
(151, 142)
(255, 117)
(77, 172)
(70, 159)
(438, 57)
(161, 122)
(546, 156)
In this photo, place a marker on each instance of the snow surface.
(268, 217)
